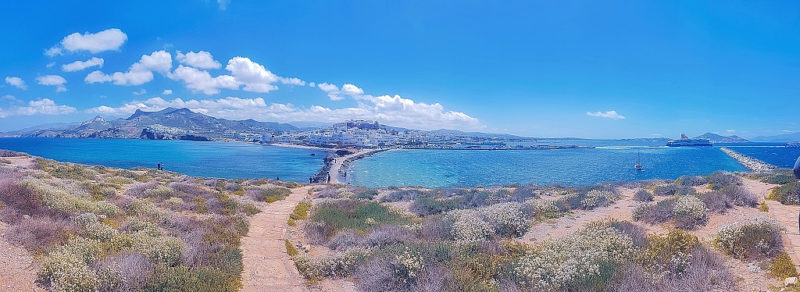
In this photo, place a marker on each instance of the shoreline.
(343, 166)
(750, 163)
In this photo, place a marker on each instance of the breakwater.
(749, 162)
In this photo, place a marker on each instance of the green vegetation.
(787, 194)
(782, 266)
(290, 249)
(300, 211)
(356, 215)
(763, 207)
(755, 239)
(102, 229)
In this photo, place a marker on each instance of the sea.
(206, 159)
(429, 168)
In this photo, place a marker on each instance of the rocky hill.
(167, 124)
(715, 138)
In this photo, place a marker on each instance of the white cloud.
(199, 80)
(244, 74)
(139, 73)
(252, 75)
(391, 110)
(80, 65)
(201, 59)
(16, 82)
(54, 51)
(334, 93)
(607, 115)
(107, 40)
(140, 92)
(53, 80)
(10, 97)
(731, 131)
(50, 65)
(166, 92)
(37, 107)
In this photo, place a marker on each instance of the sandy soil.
(18, 271)
(267, 267)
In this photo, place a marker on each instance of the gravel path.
(267, 267)
(17, 269)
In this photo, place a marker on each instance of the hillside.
(167, 124)
(715, 138)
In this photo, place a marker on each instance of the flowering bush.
(469, 226)
(598, 198)
(574, 261)
(336, 265)
(750, 239)
(543, 208)
(506, 219)
(407, 265)
(688, 212)
(93, 228)
(643, 195)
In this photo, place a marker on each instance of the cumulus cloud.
(201, 59)
(140, 92)
(52, 52)
(107, 40)
(53, 80)
(391, 110)
(606, 115)
(244, 74)
(166, 92)
(139, 73)
(37, 107)
(335, 93)
(16, 82)
(80, 65)
(201, 81)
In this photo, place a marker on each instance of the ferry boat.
(685, 141)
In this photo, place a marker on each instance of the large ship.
(685, 141)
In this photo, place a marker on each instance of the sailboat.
(638, 165)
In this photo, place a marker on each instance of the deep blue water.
(776, 155)
(445, 168)
(207, 159)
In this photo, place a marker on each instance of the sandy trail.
(267, 267)
(18, 271)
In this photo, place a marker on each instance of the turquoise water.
(207, 159)
(446, 168)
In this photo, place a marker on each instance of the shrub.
(367, 194)
(402, 195)
(670, 253)
(763, 207)
(290, 249)
(174, 202)
(469, 226)
(655, 213)
(781, 266)
(787, 194)
(582, 261)
(506, 219)
(182, 278)
(750, 239)
(524, 193)
(428, 205)
(159, 191)
(317, 232)
(334, 266)
(716, 201)
(643, 195)
(249, 208)
(160, 250)
(740, 196)
(543, 209)
(65, 271)
(358, 215)
(344, 240)
(691, 181)
(689, 212)
(40, 233)
(388, 235)
(200, 205)
(779, 177)
(300, 211)
(269, 195)
(722, 179)
(673, 189)
(93, 228)
(291, 222)
(597, 198)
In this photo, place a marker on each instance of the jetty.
(751, 163)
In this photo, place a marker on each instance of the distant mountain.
(722, 139)
(477, 134)
(789, 137)
(167, 124)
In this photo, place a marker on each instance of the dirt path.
(17, 271)
(267, 267)
(786, 215)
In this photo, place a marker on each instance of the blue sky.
(595, 69)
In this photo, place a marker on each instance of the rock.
(753, 267)
(790, 281)
(26, 216)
